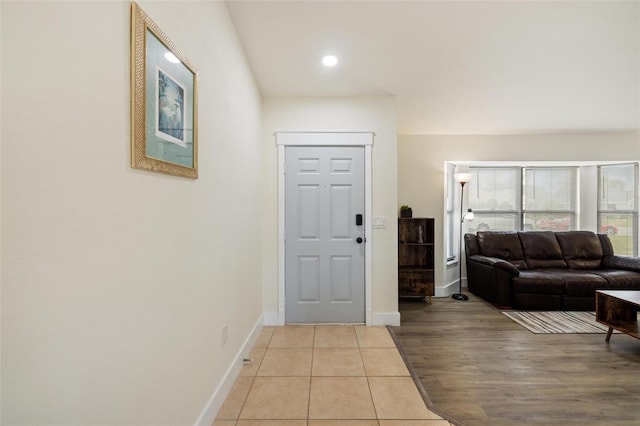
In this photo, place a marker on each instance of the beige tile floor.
(325, 376)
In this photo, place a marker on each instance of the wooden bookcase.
(415, 257)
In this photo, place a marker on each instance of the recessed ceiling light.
(171, 58)
(329, 61)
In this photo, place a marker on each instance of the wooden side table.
(619, 309)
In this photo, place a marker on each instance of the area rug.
(557, 322)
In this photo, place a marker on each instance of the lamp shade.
(462, 174)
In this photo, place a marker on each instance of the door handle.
(359, 240)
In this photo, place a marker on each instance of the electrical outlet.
(225, 334)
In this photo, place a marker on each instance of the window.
(523, 198)
(618, 206)
(549, 202)
(494, 196)
(543, 197)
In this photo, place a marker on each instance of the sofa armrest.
(496, 263)
(626, 263)
(490, 278)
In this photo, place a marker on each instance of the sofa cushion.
(581, 249)
(581, 283)
(620, 279)
(502, 245)
(538, 282)
(541, 250)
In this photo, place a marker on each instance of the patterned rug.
(557, 322)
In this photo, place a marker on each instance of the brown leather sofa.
(546, 270)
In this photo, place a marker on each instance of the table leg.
(609, 333)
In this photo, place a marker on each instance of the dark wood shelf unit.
(416, 257)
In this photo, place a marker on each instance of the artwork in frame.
(163, 102)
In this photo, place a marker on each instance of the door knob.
(359, 240)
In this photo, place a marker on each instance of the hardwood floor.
(481, 368)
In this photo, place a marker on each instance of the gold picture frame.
(164, 102)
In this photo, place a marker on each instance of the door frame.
(337, 139)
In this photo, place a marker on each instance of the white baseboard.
(447, 290)
(386, 318)
(214, 404)
(450, 288)
(271, 318)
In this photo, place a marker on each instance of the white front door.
(324, 235)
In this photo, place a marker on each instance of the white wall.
(421, 168)
(375, 114)
(116, 282)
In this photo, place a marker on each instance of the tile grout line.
(253, 380)
(313, 349)
(366, 375)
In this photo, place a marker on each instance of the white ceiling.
(456, 67)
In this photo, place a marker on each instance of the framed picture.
(164, 125)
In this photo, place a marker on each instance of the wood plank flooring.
(481, 368)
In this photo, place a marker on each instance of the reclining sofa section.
(546, 270)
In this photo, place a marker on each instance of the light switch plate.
(379, 222)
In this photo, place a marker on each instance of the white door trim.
(364, 139)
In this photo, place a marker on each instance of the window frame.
(450, 203)
(631, 212)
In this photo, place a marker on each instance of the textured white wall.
(421, 167)
(375, 114)
(116, 282)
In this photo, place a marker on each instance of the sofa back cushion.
(581, 249)
(607, 247)
(503, 245)
(471, 244)
(541, 250)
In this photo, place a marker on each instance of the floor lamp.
(462, 175)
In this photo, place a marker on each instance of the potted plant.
(405, 211)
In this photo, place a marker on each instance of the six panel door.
(324, 245)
